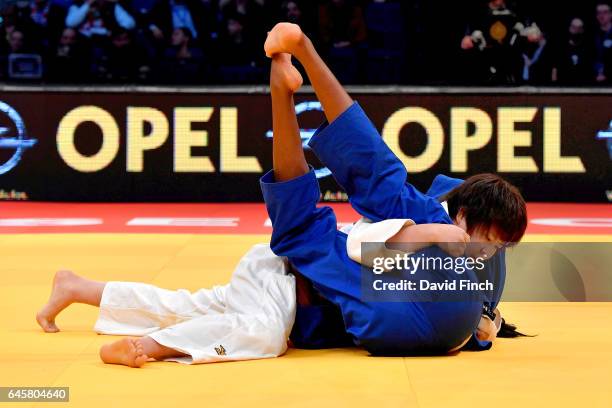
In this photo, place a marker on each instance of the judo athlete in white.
(250, 317)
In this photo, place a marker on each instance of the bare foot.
(284, 75)
(62, 295)
(127, 351)
(284, 37)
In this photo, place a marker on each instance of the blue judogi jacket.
(375, 181)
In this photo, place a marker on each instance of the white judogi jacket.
(249, 318)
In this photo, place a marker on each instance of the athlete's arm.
(450, 238)
(412, 237)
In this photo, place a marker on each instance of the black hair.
(186, 32)
(488, 201)
(508, 330)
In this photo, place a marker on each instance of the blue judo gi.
(375, 181)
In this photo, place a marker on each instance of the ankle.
(302, 47)
(278, 87)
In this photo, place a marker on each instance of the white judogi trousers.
(249, 318)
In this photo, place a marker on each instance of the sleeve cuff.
(378, 232)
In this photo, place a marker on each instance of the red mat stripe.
(247, 218)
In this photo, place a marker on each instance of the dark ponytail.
(508, 330)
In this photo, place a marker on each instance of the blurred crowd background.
(422, 42)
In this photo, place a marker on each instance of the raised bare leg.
(289, 38)
(68, 288)
(287, 153)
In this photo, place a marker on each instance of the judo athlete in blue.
(375, 181)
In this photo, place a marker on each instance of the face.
(496, 4)
(576, 26)
(234, 27)
(293, 11)
(483, 243)
(604, 16)
(16, 40)
(178, 37)
(9, 28)
(68, 37)
(121, 40)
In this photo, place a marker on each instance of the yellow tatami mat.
(567, 365)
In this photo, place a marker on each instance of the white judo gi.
(249, 318)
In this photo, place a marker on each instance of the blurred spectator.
(574, 63)
(68, 60)
(238, 55)
(251, 15)
(18, 60)
(39, 12)
(603, 43)
(181, 48)
(236, 48)
(169, 15)
(537, 62)
(198, 16)
(341, 24)
(291, 12)
(48, 18)
(18, 15)
(16, 42)
(294, 12)
(98, 17)
(494, 44)
(342, 32)
(121, 60)
(182, 61)
(364, 41)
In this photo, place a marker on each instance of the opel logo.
(18, 142)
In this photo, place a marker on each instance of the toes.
(140, 360)
(131, 345)
(281, 38)
(51, 328)
(47, 325)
